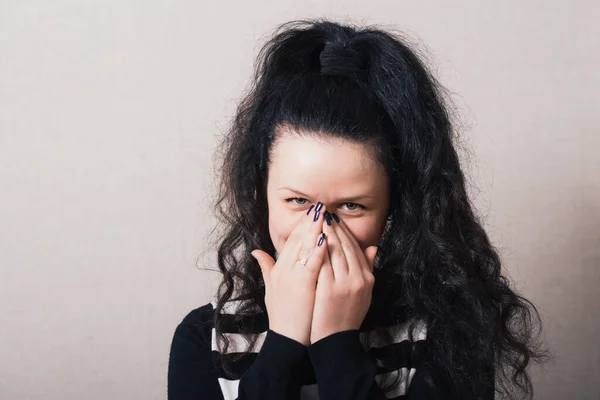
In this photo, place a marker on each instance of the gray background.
(109, 112)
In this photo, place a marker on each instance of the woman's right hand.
(290, 287)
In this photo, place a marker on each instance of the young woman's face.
(306, 169)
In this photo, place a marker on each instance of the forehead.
(311, 158)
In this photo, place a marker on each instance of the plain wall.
(109, 115)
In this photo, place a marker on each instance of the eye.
(355, 206)
(297, 200)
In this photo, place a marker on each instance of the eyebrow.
(349, 199)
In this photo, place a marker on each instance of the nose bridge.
(329, 195)
(326, 199)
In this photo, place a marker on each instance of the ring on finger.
(304, 256)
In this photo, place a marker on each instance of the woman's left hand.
(345, 283)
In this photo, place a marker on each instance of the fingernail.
(327, 217)
(336, 218)
(319, 206)
(321, 239)
(310, 209)
(317, 214)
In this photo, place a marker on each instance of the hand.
(290, 286)
(345, 283)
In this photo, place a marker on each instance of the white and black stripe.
(399, 355)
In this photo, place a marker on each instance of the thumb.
(265, 261)
(370, 253)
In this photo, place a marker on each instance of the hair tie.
(337, 59)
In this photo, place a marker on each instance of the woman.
(353, 265)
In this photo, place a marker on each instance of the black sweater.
(281, 368)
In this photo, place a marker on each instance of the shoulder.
(194, 330)
(199, 316)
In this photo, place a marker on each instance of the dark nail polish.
(319, 206)
(321, 239)
(310, 209)
(336, 218)
(327, 217)
(317, 214)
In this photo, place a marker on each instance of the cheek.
(366, 233)
(280, 228)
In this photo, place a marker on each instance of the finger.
(290, 252)
(266, 263)
(313, 232)
(370, 257)
(299, 239)
(326, 274)
(354, 254)
(370, 253)
(336, 252)
(315, 262)
(347, 230)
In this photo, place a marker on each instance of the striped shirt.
(354, 364)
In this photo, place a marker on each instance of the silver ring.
(303, 262)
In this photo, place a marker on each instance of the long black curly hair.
(435, 262)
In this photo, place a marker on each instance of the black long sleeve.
(345, 371)
(343, 368)
(192, 375)
(271, 376)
